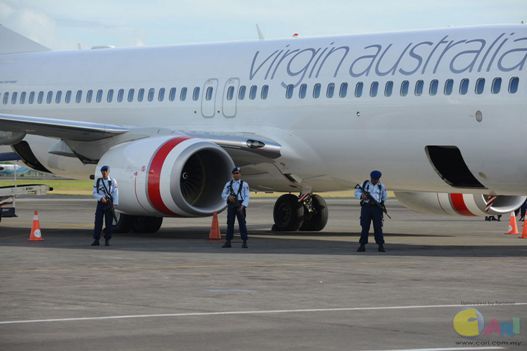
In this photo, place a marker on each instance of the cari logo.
(470, 322)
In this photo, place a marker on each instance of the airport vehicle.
(8, 194)
(10, 169)
(441, 112)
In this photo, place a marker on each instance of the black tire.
(288, 213)
(146, 224)
(317, 220)
(123, 224)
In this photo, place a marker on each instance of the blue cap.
(236, 169)
(375, 174)
(105, 168)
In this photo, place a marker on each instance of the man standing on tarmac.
(371, 210)
(106, 193)
(236, 193)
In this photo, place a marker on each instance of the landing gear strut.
(307, 213)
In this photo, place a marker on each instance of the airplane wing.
(59, 128)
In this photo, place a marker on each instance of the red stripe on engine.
(154, 175)
(458, 204)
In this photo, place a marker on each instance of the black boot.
(106, 242)
(227, 244)
(381, 248)
(95, 243)
(361, 248)
(244, 245)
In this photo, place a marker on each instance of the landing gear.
(315, 214)
(139, 224)
(288, 213)
(307, 213)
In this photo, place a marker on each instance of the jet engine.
(460, 204)
(169, 176)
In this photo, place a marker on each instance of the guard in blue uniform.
(370, 212)
(106, 192)
(236, 194)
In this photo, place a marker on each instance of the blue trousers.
(368, 214)
(101, 213)
(235, 212)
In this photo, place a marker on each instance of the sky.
(61, 24)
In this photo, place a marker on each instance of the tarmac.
(176, 290)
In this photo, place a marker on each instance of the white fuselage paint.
(328, 143)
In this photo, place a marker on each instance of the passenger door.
(208, 98)
(230, 97)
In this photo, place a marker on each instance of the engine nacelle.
(459, 204)
(169, 176)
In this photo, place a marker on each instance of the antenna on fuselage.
(259, 31)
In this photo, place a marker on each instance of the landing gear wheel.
(288, 213)
(123, 224)
(316, 220)
(145, 224)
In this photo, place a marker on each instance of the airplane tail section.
(14, 43)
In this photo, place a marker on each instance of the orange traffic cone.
(35, 228)
(214, 233)
(513, 226)
(524, 230)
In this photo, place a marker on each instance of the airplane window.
(513, 85)
(265, 92)
(6, 97)
(183, 94)
(58, 97)
(374, 88)
(449, 86)
(98, 97)
(480, 86)
(78, 97)
(120, 95)
(252, 92)
(330, 90)
(195, 94)
(161, 95)
(289, 91)
(49, 97)
(302, 91)
(241, 92)
(316, 90)
(434, 84)
(405, 86)
(230, 93)
(463, 86)
(140, 94)
(40, 98)
(67, 98)
(208, 94)
(496, 85)
(131, 94)
(388, 89)
(343, 90)
(358, 89)
(22, 97)
(109, 96)
(172, 94)
(89, 95)
(419, 87)
(151, 93)
(14, 97)
(31, 97)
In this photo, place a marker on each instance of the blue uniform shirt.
(242, 196)
(377, 191)
(99, 193)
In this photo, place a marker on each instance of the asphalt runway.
(176, 290)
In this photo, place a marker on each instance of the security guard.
(236, 193)
(106, 192)
(371, 212)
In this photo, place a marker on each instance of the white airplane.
(9, 169)
(441, 112)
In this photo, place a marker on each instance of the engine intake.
(460, 204)
(169, 176)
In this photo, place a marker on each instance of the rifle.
(374, 201)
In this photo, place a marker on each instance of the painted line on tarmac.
(255, 312)
(448, 349)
